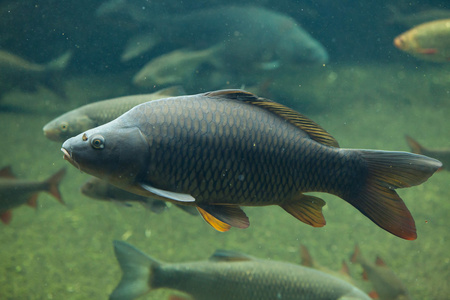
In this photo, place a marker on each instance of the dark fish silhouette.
(18, 72)
(15, 192)
(387, 286)
(221, 150)
(227, 275)
(99, 189)
(442, 155)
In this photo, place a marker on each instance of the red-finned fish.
(221, 150)
(227, 275)
(429, 41)
(387, 286)
(308, 261)
(442, 155)
(15, 192)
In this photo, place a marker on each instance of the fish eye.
(98, 142)
(64, 126)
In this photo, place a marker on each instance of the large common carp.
(221, 150)
(227, 275)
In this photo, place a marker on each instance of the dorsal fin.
(6, 172)
(314, 131)
(230, 256)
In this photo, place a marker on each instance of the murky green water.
(65, 252)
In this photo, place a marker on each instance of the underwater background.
(368, 95)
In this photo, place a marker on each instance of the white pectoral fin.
(168, 194)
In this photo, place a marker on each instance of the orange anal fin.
(356, 256)
(374, 295)
(306, 257)
(345, 269)
(364, 275)
(307, 209)
(429, 51)
(6, 217)
(222, 217)
(33, 201)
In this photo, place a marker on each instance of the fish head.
(298, 47)
(401, 42)
(66, 126)
(110, 152)
(94, 188)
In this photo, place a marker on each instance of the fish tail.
(60, 63)
(137, 268)
(53, 184)
(375, 195)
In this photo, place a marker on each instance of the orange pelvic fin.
(223, 217)
(307, 209)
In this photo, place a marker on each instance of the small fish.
(308, 261)
(18, 72)
(221, 150)
(99, 189)
(15, 192)
(98, 113)
(429, 41)
(387, 286)
(176, 66)
(418, 17)
(442, 155)
(226, 275)
(138, 45)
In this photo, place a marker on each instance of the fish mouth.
(68, 156)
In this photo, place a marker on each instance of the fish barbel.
(221, 150)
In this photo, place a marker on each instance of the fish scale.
(221, 150)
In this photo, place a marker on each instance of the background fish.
(176, 66)
(97, 113)
(18, 72)
(308, 261)
(429, 41)
(227, 275)
(442, 155)
(387, 286)
(221, 150)
(99, 189)
(15, 192)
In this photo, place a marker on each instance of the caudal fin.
(376, 198)
(53, 184)
(136, 267)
